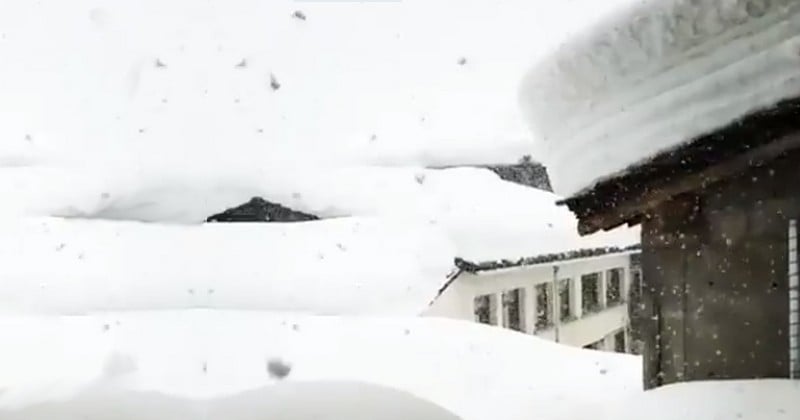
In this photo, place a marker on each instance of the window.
(544, 306)
(486, 309)
(614, 286)
(513, 316)
(590, 292)
(636, 284)
(564, 307)
(619, 342)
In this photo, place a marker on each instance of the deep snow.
(340, 266)
(362, 82)
(184, 123)
(190, 364)
(765, 399)
(327, 400)
(486, 218)
(474, 371)
(653, 75)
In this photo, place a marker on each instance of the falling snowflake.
(298, 14)
(273, 82)
(278, 369)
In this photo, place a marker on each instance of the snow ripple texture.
(656, 75)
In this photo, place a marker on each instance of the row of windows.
(513, 301)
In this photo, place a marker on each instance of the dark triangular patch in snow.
(526, 172)
(260, 210)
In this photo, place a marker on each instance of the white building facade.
(581, 302)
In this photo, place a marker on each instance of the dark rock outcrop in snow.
(260, 210)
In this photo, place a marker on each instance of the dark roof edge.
(692, 157)
(476, 267)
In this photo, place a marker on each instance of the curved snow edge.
(623, 119)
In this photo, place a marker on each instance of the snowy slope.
(474, 371)
(486, 217)
(354, 81)
(703, 64)
(369, 82)
(766, 399)
(144, 111)
(343, 266)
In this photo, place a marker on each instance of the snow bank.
(746, 400)
(490, 219)
(486, 217)
(363, 81)
(286, 401)
(598, 104)
(344, 266)
(210, 357)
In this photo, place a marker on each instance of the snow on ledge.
(655, 76)
(341, 266)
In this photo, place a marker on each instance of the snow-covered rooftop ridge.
(655, 75)
(341, 266)
(486, 218)
(360, 81)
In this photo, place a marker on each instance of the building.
(697, 108)
(578, 298)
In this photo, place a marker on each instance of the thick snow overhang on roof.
(746, 143)
(655, 76)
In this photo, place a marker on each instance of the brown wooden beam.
(635, 208)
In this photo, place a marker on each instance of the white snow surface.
(126, 124)
(365, 81)
(148, 112)
(205, 359)
(485, 217)
(765, 399)
(341, 266)
(653, 75)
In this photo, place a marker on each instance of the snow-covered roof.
(341, 266)
(371, 82)
(485, 217)
(653, 75)
(196, 359)
(479, 266)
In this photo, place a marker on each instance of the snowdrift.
(765, 399)
(360, 82)
(286, 401)
(342, 266)
(654, 75)
(99, 363)
(487, 218)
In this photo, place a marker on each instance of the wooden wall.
(715, 264)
